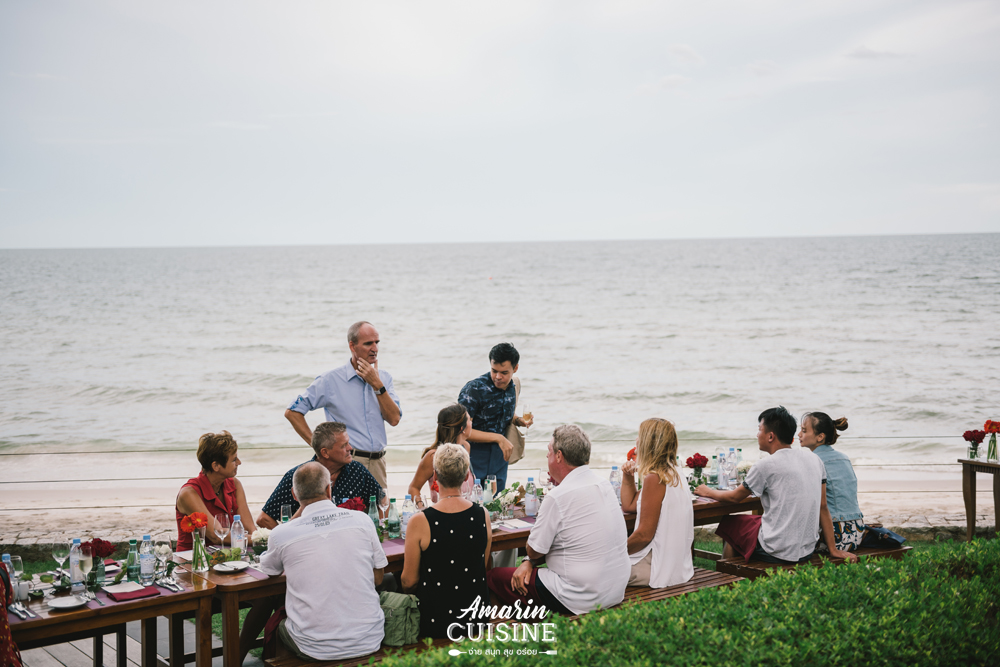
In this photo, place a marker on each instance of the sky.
(126, 124)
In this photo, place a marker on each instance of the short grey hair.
(310, 481)
(573, 443)
(451, 463)
(326, 434)
(352, 331)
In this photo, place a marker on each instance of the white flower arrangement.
(260, 536)
(744, 467)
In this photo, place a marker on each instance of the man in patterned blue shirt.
(349, 478)
(491, 399)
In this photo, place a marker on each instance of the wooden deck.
(81, 653)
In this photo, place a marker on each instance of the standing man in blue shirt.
(357, 394)
(491, 399)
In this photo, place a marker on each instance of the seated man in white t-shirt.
(332, 560)
(579, 532)
(791, 486)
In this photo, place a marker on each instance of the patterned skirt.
(846, 535)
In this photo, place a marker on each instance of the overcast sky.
(252, 123)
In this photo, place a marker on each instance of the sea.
(131, 354)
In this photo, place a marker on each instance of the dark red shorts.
(740, 531)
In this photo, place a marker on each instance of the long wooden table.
(93, 620)
(232, 590)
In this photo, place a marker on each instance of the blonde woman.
(660, 545)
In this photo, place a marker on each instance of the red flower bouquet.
(975, 437)
(697, 462)
(354, 504)
(100, 548)
(193, 523)
(992, 427)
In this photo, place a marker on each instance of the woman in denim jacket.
(843, 526)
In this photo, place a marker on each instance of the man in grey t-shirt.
(791, 485)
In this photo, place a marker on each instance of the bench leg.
(969, 493)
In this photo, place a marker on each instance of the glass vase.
(199, 555)
(973, 452)
(991, 451)
(100, 573)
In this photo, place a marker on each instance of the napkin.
(515, 524)
(131, 594)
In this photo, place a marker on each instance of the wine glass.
(60, 552)
(286, 513)
(86, 561)
(491, 482)
(222, 527)
(383, 501)
(163, 551)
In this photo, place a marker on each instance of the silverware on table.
(93, 596)
(23, 607)
(20, 614)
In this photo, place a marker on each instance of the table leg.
(969, 493)
(149, 642)
(996, 502)
(176, 639)
(121, 647)
(203, 634)
(99, 651)
(230, 630)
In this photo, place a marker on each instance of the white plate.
(231, 566)
(71, 602)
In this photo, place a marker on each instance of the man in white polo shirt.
(580, 533)
(332, 560)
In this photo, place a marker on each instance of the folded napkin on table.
(110, 561)
(130, 590)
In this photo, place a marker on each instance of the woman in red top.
(215, 490)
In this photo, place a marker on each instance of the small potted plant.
(697, 464)
(974, 438)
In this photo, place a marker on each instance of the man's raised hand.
(369, 373)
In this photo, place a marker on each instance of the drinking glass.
(222, 527)
(491, 481)
(286, 513)
(383, 500)
(17, 569)
(60, 552)
(526, 413)
(86, 561)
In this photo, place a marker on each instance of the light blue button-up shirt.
(841, 484)
(348, 399)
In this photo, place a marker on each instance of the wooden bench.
(739, 567)
(633, 595)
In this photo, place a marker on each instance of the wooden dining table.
(236, 589)
(52, 626)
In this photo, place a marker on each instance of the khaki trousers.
(377, 468)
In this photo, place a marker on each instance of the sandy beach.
(920, 506)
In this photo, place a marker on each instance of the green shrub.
(936, 607)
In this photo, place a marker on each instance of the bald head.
(311, 482)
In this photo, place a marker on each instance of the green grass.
(938, 606)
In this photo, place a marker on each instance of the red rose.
(975, 437)
(697, 461)
(354, 504)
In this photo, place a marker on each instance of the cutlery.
(23, 607)
(93, 596)
(17, 611)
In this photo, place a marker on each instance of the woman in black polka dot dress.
(447, 547)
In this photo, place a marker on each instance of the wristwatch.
(379, 392)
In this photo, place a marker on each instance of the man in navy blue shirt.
(491, 399)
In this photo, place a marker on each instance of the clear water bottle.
(373, 511)
(75, 573)
(739, 456)
(238, 536)
(132, 562)
(487, 492)
(722, 479)
(713, 471)
(732, 462)
(147, 561)
(616, 483)
(392, 520)
(530, 498)
(477, 492)
(409, 509)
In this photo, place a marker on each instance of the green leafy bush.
(938, 606)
